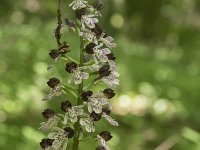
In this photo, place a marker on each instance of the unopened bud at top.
(54, 54)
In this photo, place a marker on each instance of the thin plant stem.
(57, 32)
(77, 127)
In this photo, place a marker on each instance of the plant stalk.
(77, 127)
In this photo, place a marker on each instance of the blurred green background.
(157, 103)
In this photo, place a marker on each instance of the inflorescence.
(97, 65)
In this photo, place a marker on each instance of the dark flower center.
(104, 71)
(106, 135)
(106, 110)
(111, 56)
(53, 82)
(70, 66)
(100, 148)
(54, 54)
(89, 48)
(80, 12)
(85, 95)
(46, 142)
(109, 93)
(65, 106)
(98, 5)
(95, 116)
(48, 113)
(97, 30)
(70, 132)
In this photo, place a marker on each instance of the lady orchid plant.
(97, 65)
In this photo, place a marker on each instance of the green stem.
(89, 63)
(69, 87)
(77, 126)
(69, 59)
(67, 91)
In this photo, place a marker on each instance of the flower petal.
(54, 92)
(84, 75)
(49, 124)
(65, 144)
(111, 120)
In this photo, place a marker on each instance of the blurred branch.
(169, 143)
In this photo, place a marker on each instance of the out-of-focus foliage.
(159, 59)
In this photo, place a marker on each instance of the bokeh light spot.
(160, 106)
(32, 134)
(40, 68)
(17, 17)
(147, 89)
(9, 106)
(33, 6)
(3, 116)
(117, 20)
(3, 67)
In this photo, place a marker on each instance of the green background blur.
(158, 101)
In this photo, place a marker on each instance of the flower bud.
(100, 148)
(109, 93)
(46, 142)
(106, 135)
(80, 12)
(95, 117)
(64, 48)
(70, 132)
(48, 113)
(89, 48)
(53, 82)
(104, 71)
(70, 66)
(54, 54)
(65, 106)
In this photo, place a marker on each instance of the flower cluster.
(96, 65)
